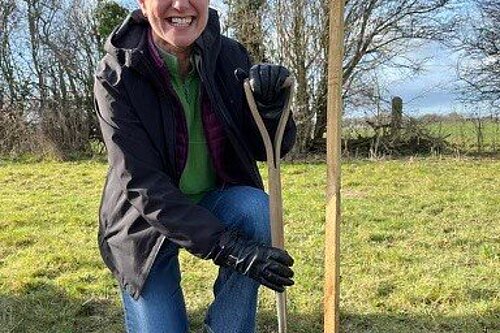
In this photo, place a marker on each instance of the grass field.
(461, 135)
(464, 135)
(420, 249)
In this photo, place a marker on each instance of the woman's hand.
(267, 83)
(267, 265)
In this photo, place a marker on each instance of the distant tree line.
(48, 53)
(49, 50)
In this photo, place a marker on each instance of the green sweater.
(198, 176)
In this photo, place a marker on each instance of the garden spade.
(273, 149)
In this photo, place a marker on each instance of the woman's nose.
(181, 5)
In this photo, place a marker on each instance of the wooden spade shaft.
(273, 150)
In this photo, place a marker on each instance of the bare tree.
(9, 90)
(378, 33)
(245, 21)
(480, 68)
(297, 38)
(49, 52)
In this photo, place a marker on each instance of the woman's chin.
(183, 44)
(173, 47)
(179, 42)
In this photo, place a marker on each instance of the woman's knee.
(253, 213)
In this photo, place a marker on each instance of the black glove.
(267, 265)
(266, 81)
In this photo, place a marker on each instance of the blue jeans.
(161, 307)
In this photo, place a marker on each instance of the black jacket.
(141, 204)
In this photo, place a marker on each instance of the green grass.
(464, 135)
(420, 249)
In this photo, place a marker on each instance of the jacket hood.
(129, 42)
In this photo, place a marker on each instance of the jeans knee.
(255, 216)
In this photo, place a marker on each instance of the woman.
(182, 151)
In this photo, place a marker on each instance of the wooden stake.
(334, 115)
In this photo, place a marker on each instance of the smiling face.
(176, 24)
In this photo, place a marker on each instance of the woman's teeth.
(181, 21)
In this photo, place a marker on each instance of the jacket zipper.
(168, 88)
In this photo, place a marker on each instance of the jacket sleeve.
(142, 178)
(252, 131)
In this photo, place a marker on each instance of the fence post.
(396, 116)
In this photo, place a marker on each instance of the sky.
(432, 91)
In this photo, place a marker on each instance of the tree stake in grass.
(273, 150)
(334, 113)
